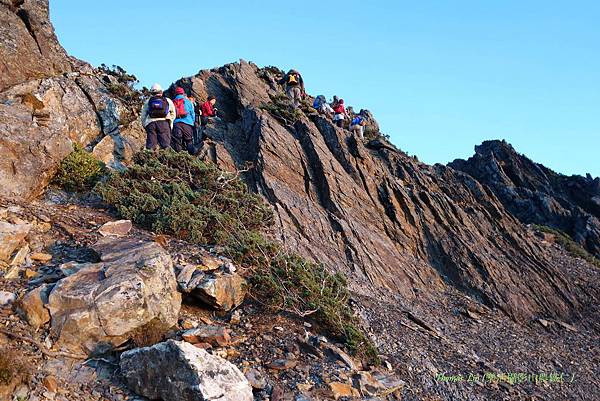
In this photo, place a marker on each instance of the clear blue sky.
(440, 76)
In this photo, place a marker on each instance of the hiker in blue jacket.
(183, 128)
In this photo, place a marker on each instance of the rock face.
(373, 212)
(535, 194)
(103, 304)
(178, 371)
(48, 101)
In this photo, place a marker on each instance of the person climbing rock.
(197, 112)
(340, 113)
(294, 87)
(183, 130)
(357, 126)
(158, 116)
(321, 105)
(209, 112)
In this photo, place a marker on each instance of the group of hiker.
(179, 123)
(336, 110)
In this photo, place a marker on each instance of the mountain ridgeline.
(387, 221)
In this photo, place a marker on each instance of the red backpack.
(180, 107)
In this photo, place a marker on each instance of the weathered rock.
(282, 364)
(117, 228)
(376, 214)
(20, 256)
(367, 384)
(33, 306)
(48, 101)
(221, 291)
(537, 195)
(41, 257)
(256, 379)
(102, 304)
(339, 390)
(217, 336)
(7, 298)
(337, 354)
(178, 371)
(12, 236)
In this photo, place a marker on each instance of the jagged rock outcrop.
(535, 194)
(375, 213)
(103, 304)
(178, 371)
(48, 101)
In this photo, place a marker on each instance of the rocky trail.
(475, 281)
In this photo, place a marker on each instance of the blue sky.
(440, 76)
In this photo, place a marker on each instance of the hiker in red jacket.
(340, 113)
(208, 111)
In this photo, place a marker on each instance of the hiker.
(294, 85)
(340, 113)
(357, 126)
(158, 115)
(209, 111)
(197, 112)
(321, 105)
(183, 131)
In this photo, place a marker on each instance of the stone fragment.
(119, 228)
(339, 390)
(7, 298)
(178, 371)
(33, 306)
(217, 336)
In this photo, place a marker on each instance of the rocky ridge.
(537, 195)
(50, 101)
(446, 279)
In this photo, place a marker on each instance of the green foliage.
(294, 284)
(282, 109)
(569, 245)
(175, 193)
(79, 171)
(12, 367)
(122, 85)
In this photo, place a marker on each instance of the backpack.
(292, 79)
(180, 108)
(158, 107)
(339, 109)
(357, 120)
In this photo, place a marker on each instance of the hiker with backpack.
(183, 130)
(294, 87)
(340, 113)
(357, 126)
(158, 115)
(197, 112)
(321, 105)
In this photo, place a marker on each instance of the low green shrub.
(296, 285)
(572, 247)
(281, 108)
(177, 194)
(79, 171)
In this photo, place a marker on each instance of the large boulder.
(48, 101)
(103, 304)
(178, 371)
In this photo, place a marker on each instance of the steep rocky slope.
(536, 194)
(49, 101)
(445, 278)
(381, 217)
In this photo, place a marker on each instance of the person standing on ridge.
(183, 131)
(209, 111)
(340, 113)
(294, 87)
(321, 105)
(197, 112)
(158, 115)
